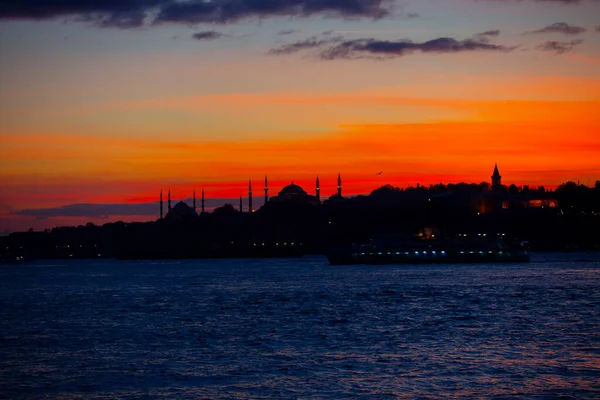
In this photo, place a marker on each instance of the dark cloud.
(105, 13)
(135, 13)
(561, 27)
(338, 48)
(413, 15)
(559, 47)
(207, 35)
(225, 11)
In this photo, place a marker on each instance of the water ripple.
(300, 329)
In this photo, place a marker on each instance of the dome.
(292, 191)
(181, 210)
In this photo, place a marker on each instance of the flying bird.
(379, 173)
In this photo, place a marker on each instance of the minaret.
(250, 195)
(318, 190)
(194, 201)
(241, 206)
(169, 201)
(266, 190)
(339, 185)
(161, 205)
(496, 178)
(202, 201)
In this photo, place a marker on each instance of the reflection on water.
(300, 328)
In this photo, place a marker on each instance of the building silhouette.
(318, 190)
(290, 193)
(250, 195)
(266, 190)
(161, 204)
(496, 179)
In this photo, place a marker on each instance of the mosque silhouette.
(291, 193)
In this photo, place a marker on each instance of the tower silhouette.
(339, 187)
(202, 201)
(266, 190)
(169, 201)
(241, 206)
(194, 201)
(318, 190)
(496, 178)
(161, 205)
(250, 195)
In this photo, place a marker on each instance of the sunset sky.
(105, 103)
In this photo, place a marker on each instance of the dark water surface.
(298, 328)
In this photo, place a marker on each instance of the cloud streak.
(492, 33)
(559, 47)
(106, 211)
(338, 48)
(561, 27)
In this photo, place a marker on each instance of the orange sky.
(92, 115)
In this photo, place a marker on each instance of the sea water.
(299, 328)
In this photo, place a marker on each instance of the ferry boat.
(427, 249)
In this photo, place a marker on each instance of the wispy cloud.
(339, 48)
(559, 47)
(492, 33)
(560, 27)
(207, 35)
